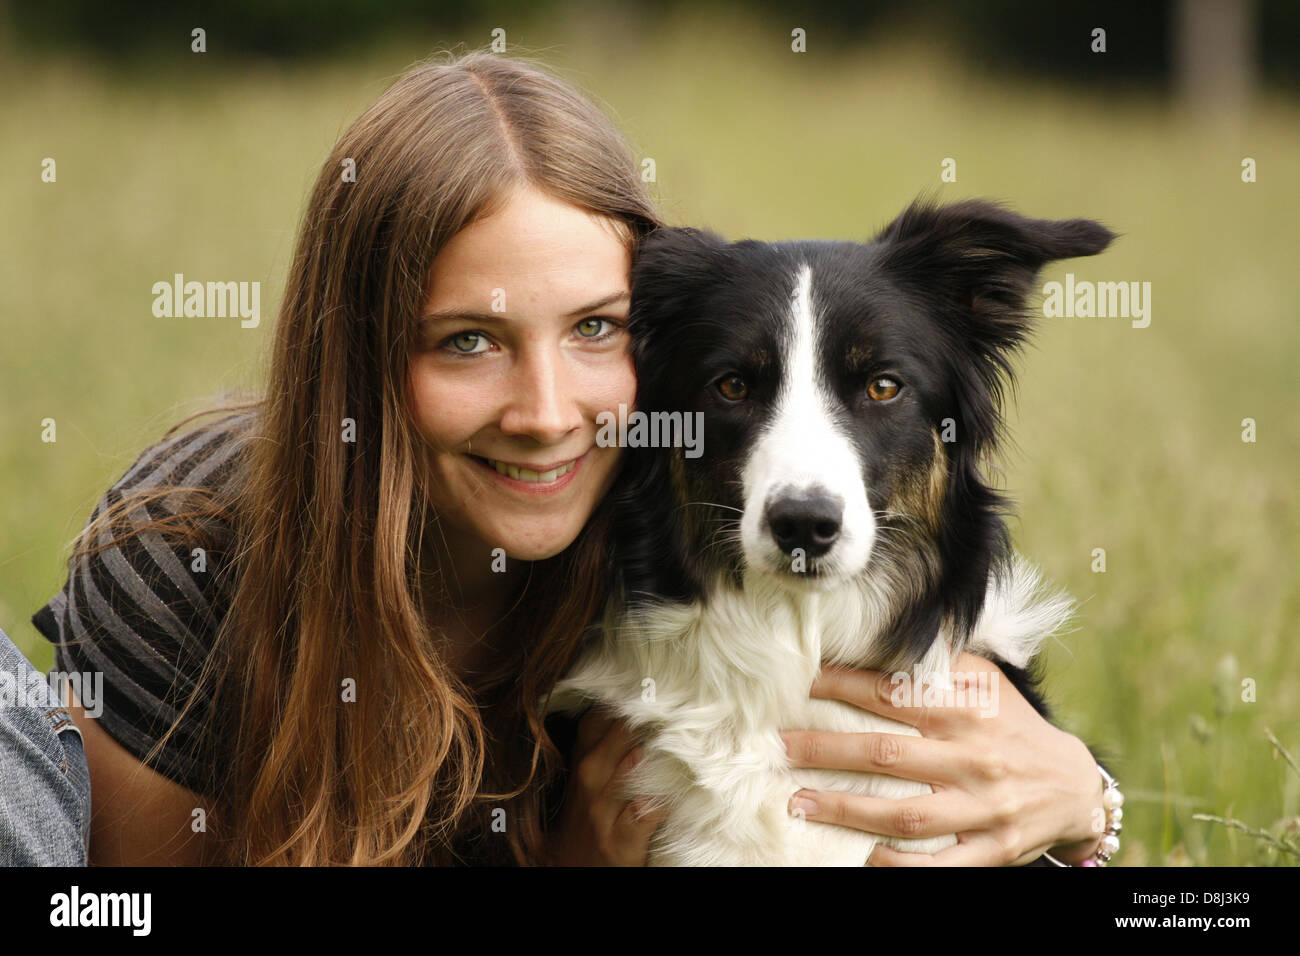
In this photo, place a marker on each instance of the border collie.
(851, 396)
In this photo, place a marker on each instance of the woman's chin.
(537, 546)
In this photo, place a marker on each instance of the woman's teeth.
(527, 474)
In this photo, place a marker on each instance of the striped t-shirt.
(144, 611)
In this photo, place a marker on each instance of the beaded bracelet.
(1113, 802)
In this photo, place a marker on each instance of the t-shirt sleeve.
(136, 621)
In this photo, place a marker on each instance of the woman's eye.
(468, 343)
(596, 328)
(733, 388)
(882, 389)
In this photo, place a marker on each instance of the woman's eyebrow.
(470, 315)
(600, 303)
(473, 315)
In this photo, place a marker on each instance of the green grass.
(1125, 439)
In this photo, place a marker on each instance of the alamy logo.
(651, 430)
(974, 689)
(37, 691)
(103, 909)
(211, 300)
(1087, 300)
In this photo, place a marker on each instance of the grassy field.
(1127, 439)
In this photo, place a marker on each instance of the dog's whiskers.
(712, 504)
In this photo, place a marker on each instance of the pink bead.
(1089, 862)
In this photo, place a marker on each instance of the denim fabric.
(44, 781)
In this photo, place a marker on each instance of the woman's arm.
(138, 817)
(1010, 785)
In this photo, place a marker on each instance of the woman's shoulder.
(153, 551)
(161, 536)
(143, 601)
(206, 455)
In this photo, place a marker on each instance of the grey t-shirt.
(144, 612)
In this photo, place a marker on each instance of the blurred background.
(1185, 659)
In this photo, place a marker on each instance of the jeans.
(44, 781)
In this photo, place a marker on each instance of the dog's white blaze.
(803, 449)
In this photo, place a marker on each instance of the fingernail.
(802, 804)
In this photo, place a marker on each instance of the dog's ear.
(670, 269)
(983, 256)
(975, 264)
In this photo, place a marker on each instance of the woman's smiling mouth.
(542, 478)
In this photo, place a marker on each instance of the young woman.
(325, 619)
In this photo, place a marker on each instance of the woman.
(329, 648)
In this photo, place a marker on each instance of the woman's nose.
(540, 403)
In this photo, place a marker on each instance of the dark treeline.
(1027, 36)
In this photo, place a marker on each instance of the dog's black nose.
(810, 522)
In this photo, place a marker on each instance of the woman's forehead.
(536, 249)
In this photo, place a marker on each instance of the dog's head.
(849, 394)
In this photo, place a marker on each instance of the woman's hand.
(597, 827)
(1010, 785)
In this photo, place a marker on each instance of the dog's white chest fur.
(710, 687)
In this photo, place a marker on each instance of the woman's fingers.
(638, 823)
(931, 710)
(624, 754)
(931, 815)
(609, 752)
(602, 742)
(973, 852)
(876, 691)
(897, 755)
(632, 814)
(592, 727)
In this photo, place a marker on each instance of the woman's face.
(523, 344)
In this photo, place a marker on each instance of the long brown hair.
(328, 559)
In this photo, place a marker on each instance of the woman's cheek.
(611, 383)
(449, 407)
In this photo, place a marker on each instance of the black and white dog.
(850, 395)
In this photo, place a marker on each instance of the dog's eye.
(733, 388)
(882, 389)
